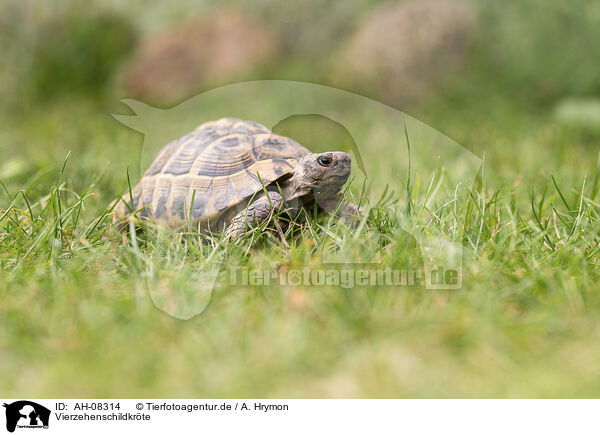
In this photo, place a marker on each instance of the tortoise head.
(325, 174)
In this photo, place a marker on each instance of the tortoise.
(238, 174)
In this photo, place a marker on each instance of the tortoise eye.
(324, 160)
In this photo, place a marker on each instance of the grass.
(77, 316)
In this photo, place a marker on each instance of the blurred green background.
(516, 81)
(480, 72)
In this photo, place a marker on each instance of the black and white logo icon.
(25, 414)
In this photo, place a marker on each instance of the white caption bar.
(33, 416)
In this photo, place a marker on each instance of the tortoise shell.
(218, 165)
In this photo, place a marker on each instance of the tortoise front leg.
(254, 215)
(346, 211)
(351, 209)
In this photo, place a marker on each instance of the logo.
(26, 414)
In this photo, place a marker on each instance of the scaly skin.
(317, 180)
(257, 213)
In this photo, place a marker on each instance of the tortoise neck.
(295, 186)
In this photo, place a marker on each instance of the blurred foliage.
(199, 53)
(535, 51)
(79, 52)
(403, 51)
(582, 113)
(72, 50)
(311, 28)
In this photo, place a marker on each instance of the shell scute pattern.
(225, 156)
(160, 160)
(162, 193)
(271, 146)
(186, 154)
(216, 166)
(281, 167)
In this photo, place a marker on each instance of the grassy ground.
(76, 318)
